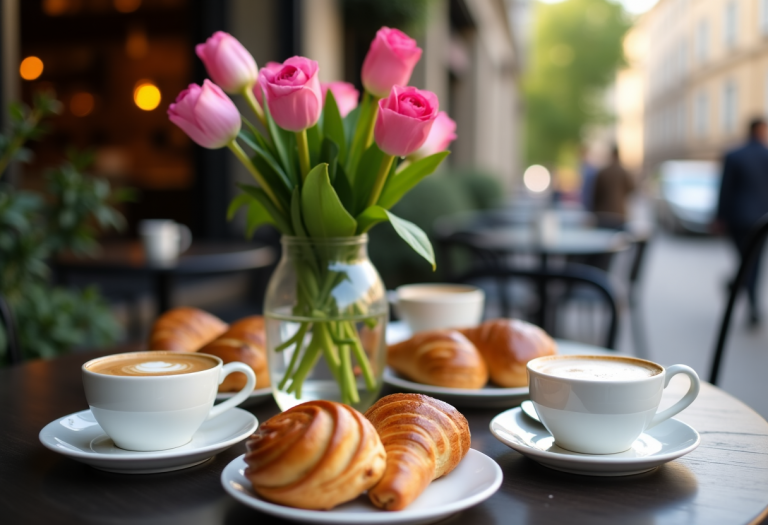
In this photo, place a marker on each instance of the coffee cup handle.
(241, 396)
(687, 399)
(185, 237)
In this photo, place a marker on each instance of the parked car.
(687, 195)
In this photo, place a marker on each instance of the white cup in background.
(164, 407)
(164, 240)
(436, 306)
(601, 404)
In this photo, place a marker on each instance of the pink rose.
(293, 93)
(442, 134)
(228, 63)
(345, 94)
(389, 62)
(206, 114)
(257, 92)
(405, 119)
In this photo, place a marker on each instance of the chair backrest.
(572, 274)
(7, 319)
(754, 246)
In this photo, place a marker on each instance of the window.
(729, 106)
(730, 24)
(702, 41)
(701, 114)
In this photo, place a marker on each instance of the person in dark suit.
(744, 199)
(612, 188)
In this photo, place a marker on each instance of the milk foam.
(599, 369)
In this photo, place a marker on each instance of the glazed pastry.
(424, 439)
(507, 345)
(441, 358)
(314, 456)
(185, 330)
(244, 341)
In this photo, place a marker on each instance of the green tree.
(575, 50)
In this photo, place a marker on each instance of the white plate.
(257, 396)
(473, 480)
(80, 437)
(489, 396)
(667, 441)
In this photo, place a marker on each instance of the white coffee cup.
(601, 404)
(436, 306)
(157, 411)
(164, 240)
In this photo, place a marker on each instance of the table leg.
(163, 290)
(540, 316)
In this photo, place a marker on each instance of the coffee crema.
(599, 369)
(149, 365)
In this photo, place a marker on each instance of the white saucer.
(665, 442)
(257, 396)
(81, 438)
(475, 479)
(489, 396)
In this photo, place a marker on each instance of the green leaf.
(333, 126)
(284, 144)
(256, 216)
(237, 203)
(298, 225)
(403, 182)
(350, 123)
(261, 196)
(329, 153)
(370, 217)
(362, 183)
(414, 236)
(343, 188)
(324, 215)
(314, 140)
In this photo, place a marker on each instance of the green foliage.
(576, 48)
(35, 227)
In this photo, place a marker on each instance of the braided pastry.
(314, 456)
(244, 341)
(507, 345)
(440, 358)
(424, 439)
(185, 330)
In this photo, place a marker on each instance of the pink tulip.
(440, 137)
(293, 93)
(258, 93)
(206, 114)
(405, 119)
(345, 94)
(228, 63)
(389, 62)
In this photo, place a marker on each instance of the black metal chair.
(754, 247)
(9, 324)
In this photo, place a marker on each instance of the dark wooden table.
(724, 481)
(127, 259)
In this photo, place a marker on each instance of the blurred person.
(612, 187)
(588, 173)
(744, 199)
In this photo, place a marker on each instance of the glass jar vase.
(326, 317)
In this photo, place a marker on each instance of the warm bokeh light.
(146, 96)
(126, 6)
(137, 44)
(31, 68)
(55, 7)
(537, 178)
(81, 104)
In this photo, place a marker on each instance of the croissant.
(185, 330)
(441, 358)
(507, 345)
(424, 439)
(244, 341)
(314, 456)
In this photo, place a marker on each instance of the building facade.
(702, 66)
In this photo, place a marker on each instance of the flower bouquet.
(327, 170)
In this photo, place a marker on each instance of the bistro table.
(723, 481)
(127, 259)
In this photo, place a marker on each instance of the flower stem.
(303, 145)
(243, 158)
(254, 104)
(381, 178)
(362, 359)
(363, 138)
